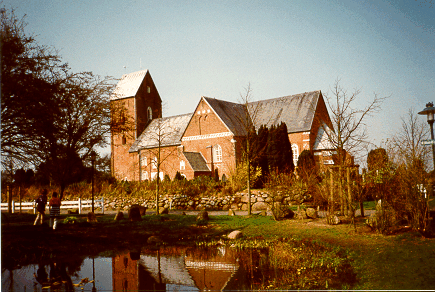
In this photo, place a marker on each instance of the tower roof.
(128, 85)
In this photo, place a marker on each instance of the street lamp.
(93, 158)
(429, 111)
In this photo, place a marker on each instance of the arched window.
(150, 113)
(217, 153)
(295, 150)
(182, 165)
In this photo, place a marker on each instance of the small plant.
(71, 220)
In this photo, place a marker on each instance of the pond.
(162, 269)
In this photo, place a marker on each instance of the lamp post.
(429, 111)
(93, 158)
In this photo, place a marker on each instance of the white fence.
(79, 204)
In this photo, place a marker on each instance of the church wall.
(122, 161)
(170, 162)
(204, 121)
(147, 97)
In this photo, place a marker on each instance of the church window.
(148, 89)
(217, 153)
(150, 113)
(144, 161)
(295, 150)
(154, 162)
(182, 165)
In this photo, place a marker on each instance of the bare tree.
(349, 133)
(160, 147)
(406, 145)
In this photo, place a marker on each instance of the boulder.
(235, 234)
(91, 217)
(312, 213)
(301, 214)
(259, 206)
(164, 211)
(372, 221)
(231, 212)
(202, 216)
(119, 216)
(134, 213)
(333, 220)
(281, 211)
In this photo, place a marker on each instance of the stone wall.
(238, 201)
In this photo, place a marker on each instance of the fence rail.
(79, 204)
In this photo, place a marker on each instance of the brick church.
(208, 140)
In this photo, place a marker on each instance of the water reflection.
(163, 269)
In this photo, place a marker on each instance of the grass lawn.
(401, 261)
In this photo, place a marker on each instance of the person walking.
(54, 210)
(41, 202)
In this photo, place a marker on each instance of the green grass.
(369, 205)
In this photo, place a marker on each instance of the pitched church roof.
(296, 111)
(233, 115)
(168, 131)
(128, 85)
(196, 161)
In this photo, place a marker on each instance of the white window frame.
(217, 153)
(149, 113)
(295, 152)
(144, 161)
(154, 163)
(182, 165)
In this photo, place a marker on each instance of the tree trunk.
(361, 206)
(9, 188)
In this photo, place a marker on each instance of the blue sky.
(217, 48)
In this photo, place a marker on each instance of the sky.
(279, 48)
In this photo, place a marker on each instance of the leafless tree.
(159, 136)
(406, 146)
(349, 133)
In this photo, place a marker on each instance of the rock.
(134, 213)
(301, 214)
(231, 212)
(312, 213)
(372, 221)
(202, 216)
(91, 217)
(235, 234)
(282, 212)
(119, 216)
(263, 213)
(259, 206)
(164, 211)
(333, 220)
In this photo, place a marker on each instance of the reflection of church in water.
(172, 269)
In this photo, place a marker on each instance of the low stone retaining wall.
(238, 201)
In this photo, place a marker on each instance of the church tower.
(134, 103)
